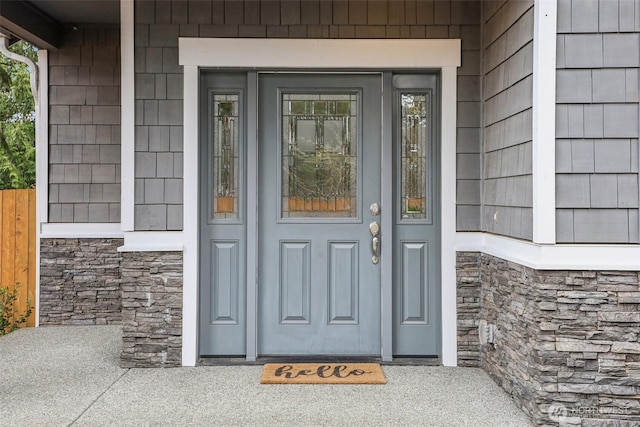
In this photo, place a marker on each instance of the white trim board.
(552, 257)
(191, 184)
(318, 53)
(84, 230)
(127, 120)
(448, 305)
(152, 241)
(136, 241)
(544, 121)
(311, 54)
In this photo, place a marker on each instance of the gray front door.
(320, 165)
(319, 172)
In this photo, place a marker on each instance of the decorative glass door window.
(319, 155)
(225, 156)
(414, 147)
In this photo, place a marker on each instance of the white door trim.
(318, 53)
(313, 54)
(449, 315)
(191, 244)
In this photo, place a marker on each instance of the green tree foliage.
(17, 122)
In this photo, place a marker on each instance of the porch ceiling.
(43, 22)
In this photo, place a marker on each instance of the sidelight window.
(225, 156)
(414, 150)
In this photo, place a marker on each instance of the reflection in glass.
(225, 156)
(413, 137)
(319, 155)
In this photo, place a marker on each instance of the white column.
(190, 215)
(127, 121)
(448, 214)
(544, 121)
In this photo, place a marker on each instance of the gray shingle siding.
(84, 127)
(597, 121)
(507, 118)
(159, 78)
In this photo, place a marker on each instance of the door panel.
(416, 232)
(222, 217)
(224, 270)
(414, 293)
(295, 282)
(343, 282)
(319, 160)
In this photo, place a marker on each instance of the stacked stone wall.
(468, 306)
(521, 355)
(566, 345)
(80, 282)
(151, 309)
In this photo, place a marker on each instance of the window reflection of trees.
(414, 155)
(225, 156)
(319, 160)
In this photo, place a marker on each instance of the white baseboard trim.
(552, 257)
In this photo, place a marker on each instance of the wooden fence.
(18, 246)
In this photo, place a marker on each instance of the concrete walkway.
(60, 376)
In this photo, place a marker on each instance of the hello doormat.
(319, 373)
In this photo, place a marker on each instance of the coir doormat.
(318, 373)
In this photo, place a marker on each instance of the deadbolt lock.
(374, 209)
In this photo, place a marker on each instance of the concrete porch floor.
(61, 376)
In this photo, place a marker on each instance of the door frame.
(310, 55)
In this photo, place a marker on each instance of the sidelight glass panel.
(319, 155)
(225, 156)
(413, 139)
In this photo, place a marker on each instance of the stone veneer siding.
(563, 337)
(468, 306)
(80, 282)
(151, 309)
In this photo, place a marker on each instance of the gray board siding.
(597, 125)
(159, 79)
(84, 127)
(507, 55)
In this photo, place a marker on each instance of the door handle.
(374, 258)
(374, 228)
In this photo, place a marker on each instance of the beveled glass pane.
(306, 135)
(333, 136)
(343, 107)
(320, 107)
(225, 156)
(319, 155)
(413, 139)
